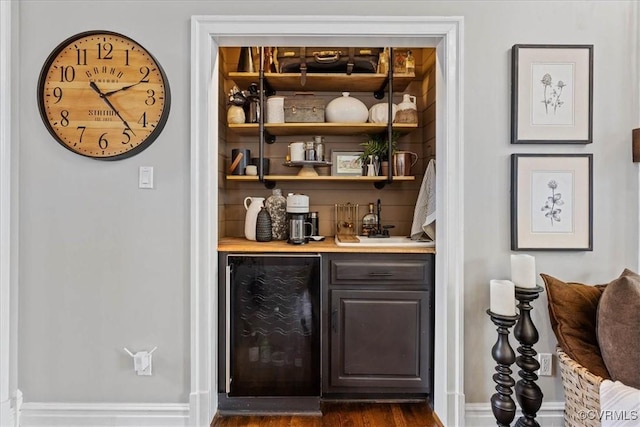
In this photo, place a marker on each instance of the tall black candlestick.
(502, 405)
(528, 393)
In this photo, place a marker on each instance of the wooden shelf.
(252, 178)
(324, 82)
(290, 129)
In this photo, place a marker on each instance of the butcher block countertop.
(237, 244)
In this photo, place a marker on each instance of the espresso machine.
(297, 213)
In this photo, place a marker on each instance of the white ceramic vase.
(346, 109)
(407, 110)
(253, 206)
(379, 113)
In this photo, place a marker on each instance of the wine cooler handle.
(334, 320)
(227, 305)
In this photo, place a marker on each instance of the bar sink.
(392, 241)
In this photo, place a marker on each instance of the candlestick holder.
(502, 405)
(528, 393)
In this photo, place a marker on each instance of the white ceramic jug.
(253, 206)
(408, 103)
(407, 110)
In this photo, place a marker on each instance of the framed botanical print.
(346, 163)
(552, 94)
(552, 202)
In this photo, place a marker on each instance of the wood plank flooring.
(344, 414)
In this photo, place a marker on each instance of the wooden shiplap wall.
(398, 199)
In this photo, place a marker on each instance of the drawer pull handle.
(380, 274)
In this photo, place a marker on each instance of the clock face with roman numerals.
(102, 95)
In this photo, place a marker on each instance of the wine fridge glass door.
(274, 325)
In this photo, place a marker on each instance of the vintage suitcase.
(347, 60)
(303, 108)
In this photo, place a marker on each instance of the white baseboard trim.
(8, 414)
(104, 414)
(10, 411)
(551, 414)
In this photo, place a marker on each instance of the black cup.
(265, 164)
(244, 161)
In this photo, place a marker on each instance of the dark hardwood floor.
(344, 414)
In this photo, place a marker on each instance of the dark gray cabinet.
(378, 324)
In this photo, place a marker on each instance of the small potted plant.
(377, 146)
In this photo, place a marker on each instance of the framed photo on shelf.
(552, 202)
(346, 163)
(551, 94)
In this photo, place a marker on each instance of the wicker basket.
(581, 391)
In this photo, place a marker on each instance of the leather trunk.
(346, 60)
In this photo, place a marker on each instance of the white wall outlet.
(142, 361)
(546, 364)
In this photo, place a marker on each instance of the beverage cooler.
(269, 326)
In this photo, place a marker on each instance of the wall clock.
(102, 95)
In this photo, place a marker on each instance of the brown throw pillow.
(618, 329)
(573, 312)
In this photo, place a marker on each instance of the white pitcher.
(407, 110)
(408, 103)
(252, 205)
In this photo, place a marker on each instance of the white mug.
(275, 109)
(296, 151)
(251, 170)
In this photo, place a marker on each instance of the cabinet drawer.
(361, 271)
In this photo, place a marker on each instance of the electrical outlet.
(546, 364)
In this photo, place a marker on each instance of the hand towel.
(424, 214)
(619, 405)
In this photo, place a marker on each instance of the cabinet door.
(379, 339)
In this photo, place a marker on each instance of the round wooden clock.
(103, 95)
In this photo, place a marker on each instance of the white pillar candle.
(523, 271)
(503, 297)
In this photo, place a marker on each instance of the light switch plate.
(145, 177)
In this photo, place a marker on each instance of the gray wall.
(104, 265)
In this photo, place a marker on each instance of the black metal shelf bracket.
(379, 184)
(268, 184)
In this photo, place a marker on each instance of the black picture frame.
(551, 94)
(552, 202)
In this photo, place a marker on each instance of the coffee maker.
(297, 212)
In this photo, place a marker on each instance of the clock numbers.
(126, 57)
(124, 132)
(145, 71)
(102, 142)
(105, 51)
(64, 118)
(150, 97)
(143, 120)
(81, 129)
(82, 56)
(57, 92)
(67, 74)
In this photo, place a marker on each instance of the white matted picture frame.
(552, 202)
(551, 94)
(346, 163)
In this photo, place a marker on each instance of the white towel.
(619, 405)
(424, 215)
